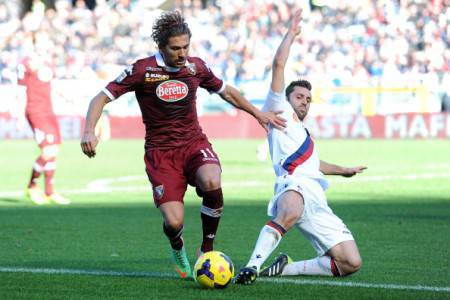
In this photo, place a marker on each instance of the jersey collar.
(161, 63)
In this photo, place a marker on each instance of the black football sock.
(211, 211)
(38, 168)
(174, 236)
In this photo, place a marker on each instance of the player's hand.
(349, 172)
(294, 26)
(88, 144)
(273, 118)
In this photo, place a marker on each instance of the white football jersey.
(292, 149)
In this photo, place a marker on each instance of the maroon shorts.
(170, 171)
(45, 129)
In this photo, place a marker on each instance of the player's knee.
(293, 217)
(350, 265)
(288, 218)
(210, 184)
(49, 152)
(355, 263)
(174, 225)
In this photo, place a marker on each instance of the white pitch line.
(295, 281)
(98, 187)
(106, 185)
(358, 284)
(49, 271)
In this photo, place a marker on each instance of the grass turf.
(398, 211)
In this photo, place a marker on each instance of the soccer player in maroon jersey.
(35, 74)
(177, 152)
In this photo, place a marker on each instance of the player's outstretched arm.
(282, 54)
(234, 97)
(89, 141)
(331, 169)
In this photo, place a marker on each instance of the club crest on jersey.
(152, 77)
(172, 90)
(158, 191)
(192, 69)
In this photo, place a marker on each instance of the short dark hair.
(301, 83)
(168, 25)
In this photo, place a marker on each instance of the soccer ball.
(213, 270)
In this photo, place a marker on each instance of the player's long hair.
(168, 25)
(302, 83)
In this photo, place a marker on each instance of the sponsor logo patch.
(172, 90)
(153, 69)
(152, 77)
(209, 159)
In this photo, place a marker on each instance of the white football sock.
(317, 266)
(268, 240)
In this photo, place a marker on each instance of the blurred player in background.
(299, 198)
(35, 74)
(177, 152)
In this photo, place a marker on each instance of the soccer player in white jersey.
(299, 198)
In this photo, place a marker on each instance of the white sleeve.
(274, 101)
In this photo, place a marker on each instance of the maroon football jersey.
(167, 98)
(36, 75)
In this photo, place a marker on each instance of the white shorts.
(317, 223)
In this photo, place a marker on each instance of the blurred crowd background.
(360, 44)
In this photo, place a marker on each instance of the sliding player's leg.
(290, 207)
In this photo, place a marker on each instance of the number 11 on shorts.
(208, 154)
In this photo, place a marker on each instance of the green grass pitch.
(109, 243)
